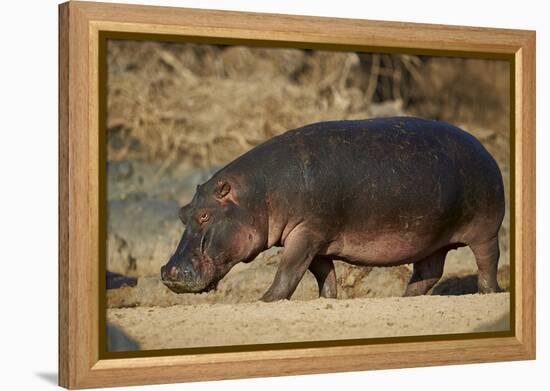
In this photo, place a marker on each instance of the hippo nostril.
(173, 272)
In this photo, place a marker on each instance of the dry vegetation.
(177, 112)
(204, 105)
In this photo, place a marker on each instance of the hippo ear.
(222, 189)
(185, 213)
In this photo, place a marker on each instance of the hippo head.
(219, 233)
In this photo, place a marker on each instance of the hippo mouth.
(186, 287)
(208, 271)
(204, 278)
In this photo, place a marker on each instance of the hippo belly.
(383, 249)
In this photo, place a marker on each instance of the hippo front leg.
(298, 252)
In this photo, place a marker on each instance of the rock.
(115, 280)
(119, 170)
(384, 282)
(142, 235)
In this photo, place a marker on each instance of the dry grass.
(203, 105)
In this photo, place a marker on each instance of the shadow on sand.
(453, 286)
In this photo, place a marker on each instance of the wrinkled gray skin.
(379, 192)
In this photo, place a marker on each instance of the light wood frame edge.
(79, 364)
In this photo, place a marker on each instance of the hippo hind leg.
(323, 270)
(487, 254)
(426, 273)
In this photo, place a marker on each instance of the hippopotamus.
(374, 192)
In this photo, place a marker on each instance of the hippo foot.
(276, 292)
(269, 297)
(328, 293)
(486, 289)
(420, 288)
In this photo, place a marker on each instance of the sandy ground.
(183, 326)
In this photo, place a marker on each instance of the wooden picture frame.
(81, 364)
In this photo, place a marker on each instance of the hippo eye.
(204, 217)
